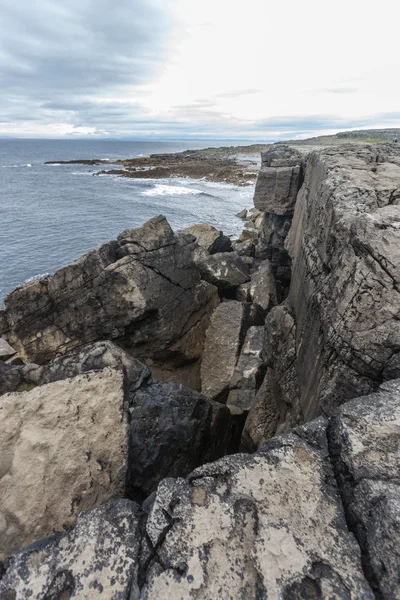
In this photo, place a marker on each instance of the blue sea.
(51, 214)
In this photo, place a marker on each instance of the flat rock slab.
(63, 449)
(95, 559)
(209, 238)
(224, 338)
(263, 287)
(6, 351)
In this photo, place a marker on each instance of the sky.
(183, 69)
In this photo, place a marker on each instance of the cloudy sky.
(254, 69)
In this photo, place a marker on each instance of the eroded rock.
(226, 271)
(63, 449)
(209, 238)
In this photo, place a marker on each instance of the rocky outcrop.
(313, 514)
(278, 183)
(142, 291)
(209, 238)
(63, 449)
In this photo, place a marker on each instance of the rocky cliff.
(288, 341)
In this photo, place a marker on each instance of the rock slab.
(63, 449)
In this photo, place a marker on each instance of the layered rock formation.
(340, 325)
(143, 291)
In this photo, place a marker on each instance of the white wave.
(15, 166)
(171, 190)
(35, 277)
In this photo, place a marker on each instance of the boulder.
(142, 291)
(94, 357)
(242, 214)
(226, 271)
(263, 288)
(172, 431)
(97, 558)
(248, 373)
(246, 248)
(270, 525)
(209, 238)
(224, 338)
(63, 449)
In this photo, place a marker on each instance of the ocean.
(51, 214)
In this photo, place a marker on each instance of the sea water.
(51, 214)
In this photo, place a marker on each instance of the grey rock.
(226, 271)
(209, 238)
(6, 351)
(281, 155)
(63, 449)
(269, 525)
(224, 338)
(10, 378)
(246, 248)
(365, 441)
(344, 294)
(173, 430)
(242, 214)
(142, 291)
(242, 293)
(263, 287)
(97, 558)
(248, 373)
(273, 230)
(94, 357)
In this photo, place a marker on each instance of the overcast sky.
(254, 69)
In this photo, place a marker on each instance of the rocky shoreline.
(187, 416)
(236, 165)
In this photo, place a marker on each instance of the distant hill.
(364, 136)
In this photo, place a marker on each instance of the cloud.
(148, 68)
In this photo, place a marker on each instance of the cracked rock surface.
(143, 291)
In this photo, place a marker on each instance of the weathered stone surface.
(242, 214)
(6, 351)
(248, 373)
(365, 438)
(96, 559)
(345, 288)
(225, 270)
(246, 248)
(263, 287)
(93, 357)
(264, 526)
(172, 431)
(273, 230)
(10, 378)
(142, 291)
(224, 339)
(278, 181)
(209, 238)
(63, 449)
(276, 407)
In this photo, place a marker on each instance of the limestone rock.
(226, 271)
(63, 449)
(246, 248)
(6, 351)
(263, 287)
(248, 373)
(366, 442)
(224, 339)
(242, 214)
(97, 558)
(172, 431)
(209, 238)
(278, 181)
(269, 525)
(345, 288)
(94, 357)
(142, 291)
